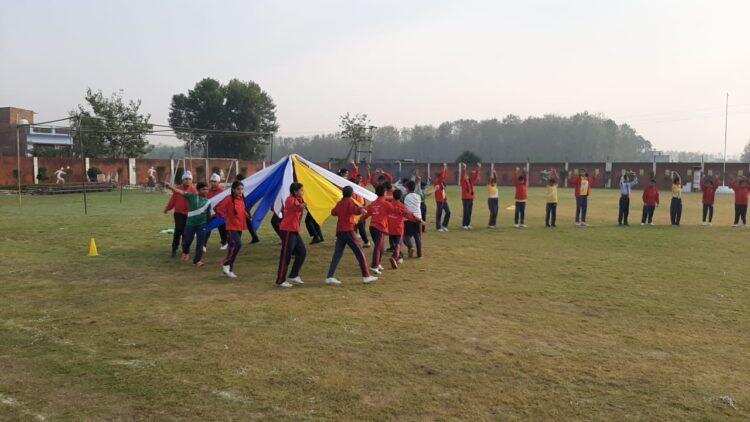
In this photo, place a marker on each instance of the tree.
(110, 127)
(205, 116)
(746, 153)
(468, 158)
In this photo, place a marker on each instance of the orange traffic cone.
(92, 248)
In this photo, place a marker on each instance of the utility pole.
(726, 123)
(18, 158)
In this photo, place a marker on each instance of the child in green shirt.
(199, 213)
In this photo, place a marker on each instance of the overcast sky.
(663, 66)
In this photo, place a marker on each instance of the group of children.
(398, 215)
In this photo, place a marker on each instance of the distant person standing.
(468, 182)
(675, 207)
(521, 195)
(627, 182)
(650, 202)
(493, 200)
(708, 188)
(442, 210)
(582, 185)
(741, 189)
(550, 214)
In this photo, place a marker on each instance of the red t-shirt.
(347, 211)
(522, 190)
(709, 194)
(740, 193)
(379, 210)
(651, 196)
(578, 182)
(213, 192)
(440, 186)
(396, 217)
(467, 185)
(178, 203)
(233, 211)
(292, 214)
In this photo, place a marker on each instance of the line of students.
(400, 218)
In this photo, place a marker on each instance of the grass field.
(597, 323)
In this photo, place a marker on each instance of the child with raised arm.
(708, 188)
(627, 181)
(650, 202)
(232, 209)
(741, 189)
(468, 182)
(522, 190)
(675, 206)
(179, 207)
(550, 214)
(582, 185)
(291, 242)
(347, 211)
(493, 200)
(199, 212)
(442, 210)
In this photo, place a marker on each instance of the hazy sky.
(663, 66)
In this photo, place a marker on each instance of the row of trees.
(581, 137)
(207, 118)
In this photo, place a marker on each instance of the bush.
(469, 158)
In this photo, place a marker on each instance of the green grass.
(597, 323)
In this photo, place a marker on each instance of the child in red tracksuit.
(442, 211)
(379, 210)
(291, 242)
(650, 202)
(232, 209)
(741, 189)
(468, 182)
(708, 187)
(179, 207)
(347, 212)
(396, 217)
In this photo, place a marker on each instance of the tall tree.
(746, 153)
(205, 116)
(110, 126)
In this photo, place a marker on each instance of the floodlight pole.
(726, 122)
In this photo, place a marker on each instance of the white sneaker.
(223, 247)
(651, 224)
(735, 225)
(643, 224)
(400, 261)
(370, 279)
(375, 271)
(445, 229)
(295, 280)
(523, 226)
(380, 268)
(518, 226)
(285, 285)
(469, 227)
(228, 271)
(704, 224)
(332, 282)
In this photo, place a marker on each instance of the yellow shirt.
(492, 191)
(552, 194)
(676, 191)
